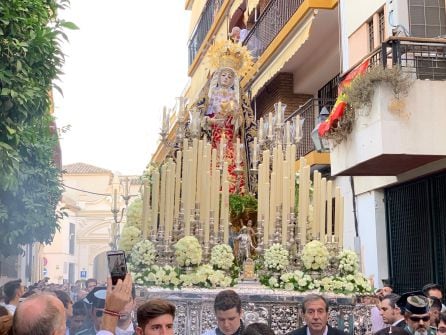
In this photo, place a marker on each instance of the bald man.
(40, 313)
(44, 314)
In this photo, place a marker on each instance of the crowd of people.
(415, 313)
(106, 310)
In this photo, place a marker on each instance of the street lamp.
(116, 195)
(320, 143)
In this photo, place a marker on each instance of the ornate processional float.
(229, 207)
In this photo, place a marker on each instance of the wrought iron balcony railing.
(423, 58)
(203, 26)
(310, 112)
(271, 21)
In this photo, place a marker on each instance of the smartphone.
(117, 265)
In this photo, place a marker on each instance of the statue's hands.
(212, 121)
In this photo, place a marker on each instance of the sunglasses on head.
(418, 318)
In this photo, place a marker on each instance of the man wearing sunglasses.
(415, 307)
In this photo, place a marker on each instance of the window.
(382, 24)
(72, 238)
(427, 18)
(371, 35)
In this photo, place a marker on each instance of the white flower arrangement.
(222, 257)
(165, 276)
(297, 281)
(188, 251)
(349, 284)
(276, 258)
(143, 255)
(315, 256)
(348, 262)
(206, 276)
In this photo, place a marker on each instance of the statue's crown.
(225, 53)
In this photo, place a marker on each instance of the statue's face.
(226, 78)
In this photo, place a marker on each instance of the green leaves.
(68, 25)
(30, 60)
(242, 204)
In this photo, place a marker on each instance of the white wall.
(371, 243)
(372, 233)
(357, 12)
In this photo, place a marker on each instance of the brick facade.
(279, 89)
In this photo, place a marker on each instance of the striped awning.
(287, 51)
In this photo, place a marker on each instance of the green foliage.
(30, 59)
(360, 93)
(134, 214)
(242, 206)
(129, 237)
(28, 213)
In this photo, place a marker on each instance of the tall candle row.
(194, 182)
(276, 188)
(323, 225)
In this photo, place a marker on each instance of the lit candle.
(177, 184)
(216, 182)
(316, 202)
(297, 128)
(329, 208)
(199, 174)
(261, 130)
(285, 204)
(155, 201)
(145, 209)
(323, 200)
(272, 205)
(193, 184)
(260, 191)
(225, 210)
(237, 157)
(341, 222)
(163, 197)
(337, 212)
(206, 206)
(266, 224)
(254, 154)
(292, 177)
(189, 197)
(270, 125)
(222, 147)
(279, 112)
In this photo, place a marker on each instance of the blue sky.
(127, 60)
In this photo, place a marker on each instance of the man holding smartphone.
(116, 299)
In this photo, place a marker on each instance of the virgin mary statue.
(227, 114)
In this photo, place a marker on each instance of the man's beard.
(420, 332)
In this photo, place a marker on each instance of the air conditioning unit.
(398, 16)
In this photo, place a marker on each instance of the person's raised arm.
(115, 301)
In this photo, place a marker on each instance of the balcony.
(388, 142)
(269, 24)
(204, 25)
